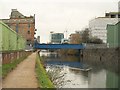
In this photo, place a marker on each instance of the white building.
(98, 26)
(55, 38)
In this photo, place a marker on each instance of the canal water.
(70, 72)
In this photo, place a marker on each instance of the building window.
(113, 16)
(107, 15)
(118, 15)
(28, 25)
(28, 40)
(19, 16)
(28, 31)
(17, 28)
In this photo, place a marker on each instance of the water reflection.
(73, 78)
(97, 77)
(97, 80)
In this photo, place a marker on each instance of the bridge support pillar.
(80, 55)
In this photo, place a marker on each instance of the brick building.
(23, 25)
(75, 38)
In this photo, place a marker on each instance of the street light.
(66, 33)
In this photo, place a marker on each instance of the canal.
(70, 72)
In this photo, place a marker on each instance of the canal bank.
(42, 77)
(108, 56)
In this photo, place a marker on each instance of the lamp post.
(66, 33)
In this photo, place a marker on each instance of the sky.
(59, 15)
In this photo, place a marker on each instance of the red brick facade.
(75, 38)
(8, 57)
(23, 25)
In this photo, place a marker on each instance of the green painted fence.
(10, 40)
(113, 37)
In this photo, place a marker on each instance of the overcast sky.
(59, 15)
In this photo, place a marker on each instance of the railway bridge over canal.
(59, 46)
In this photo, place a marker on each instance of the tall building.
(56, 38)
(113, 37)
(23, 25)
(98, 25)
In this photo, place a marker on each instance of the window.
(28, 31)
(19, 16)
(119, 16)
(29, 25)
(112, 16)
(28, 40)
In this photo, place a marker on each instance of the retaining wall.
(107, 57)
(8, 57)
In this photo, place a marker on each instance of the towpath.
(23, 76)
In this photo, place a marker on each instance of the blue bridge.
(58, 46)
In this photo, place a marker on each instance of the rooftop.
(113, 13)
(16, 14)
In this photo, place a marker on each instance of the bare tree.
(85, 35)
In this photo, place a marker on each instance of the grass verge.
(0, 71)
(43, 79)
(6, 68)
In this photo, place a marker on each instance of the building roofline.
(19, 18)
(113, 24)
(57, 33)
(117, 22)
(102, 17)
(113, 13)
(4, 19)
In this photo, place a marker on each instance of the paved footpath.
(23, 76)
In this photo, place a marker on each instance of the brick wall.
(8, 57)
(107, 58)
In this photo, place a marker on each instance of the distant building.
(112, 15)
(23, 25)
(38, 39)
(56, 38)
(113, 35)
(98, 25)
(65, 41)
(75, 38)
